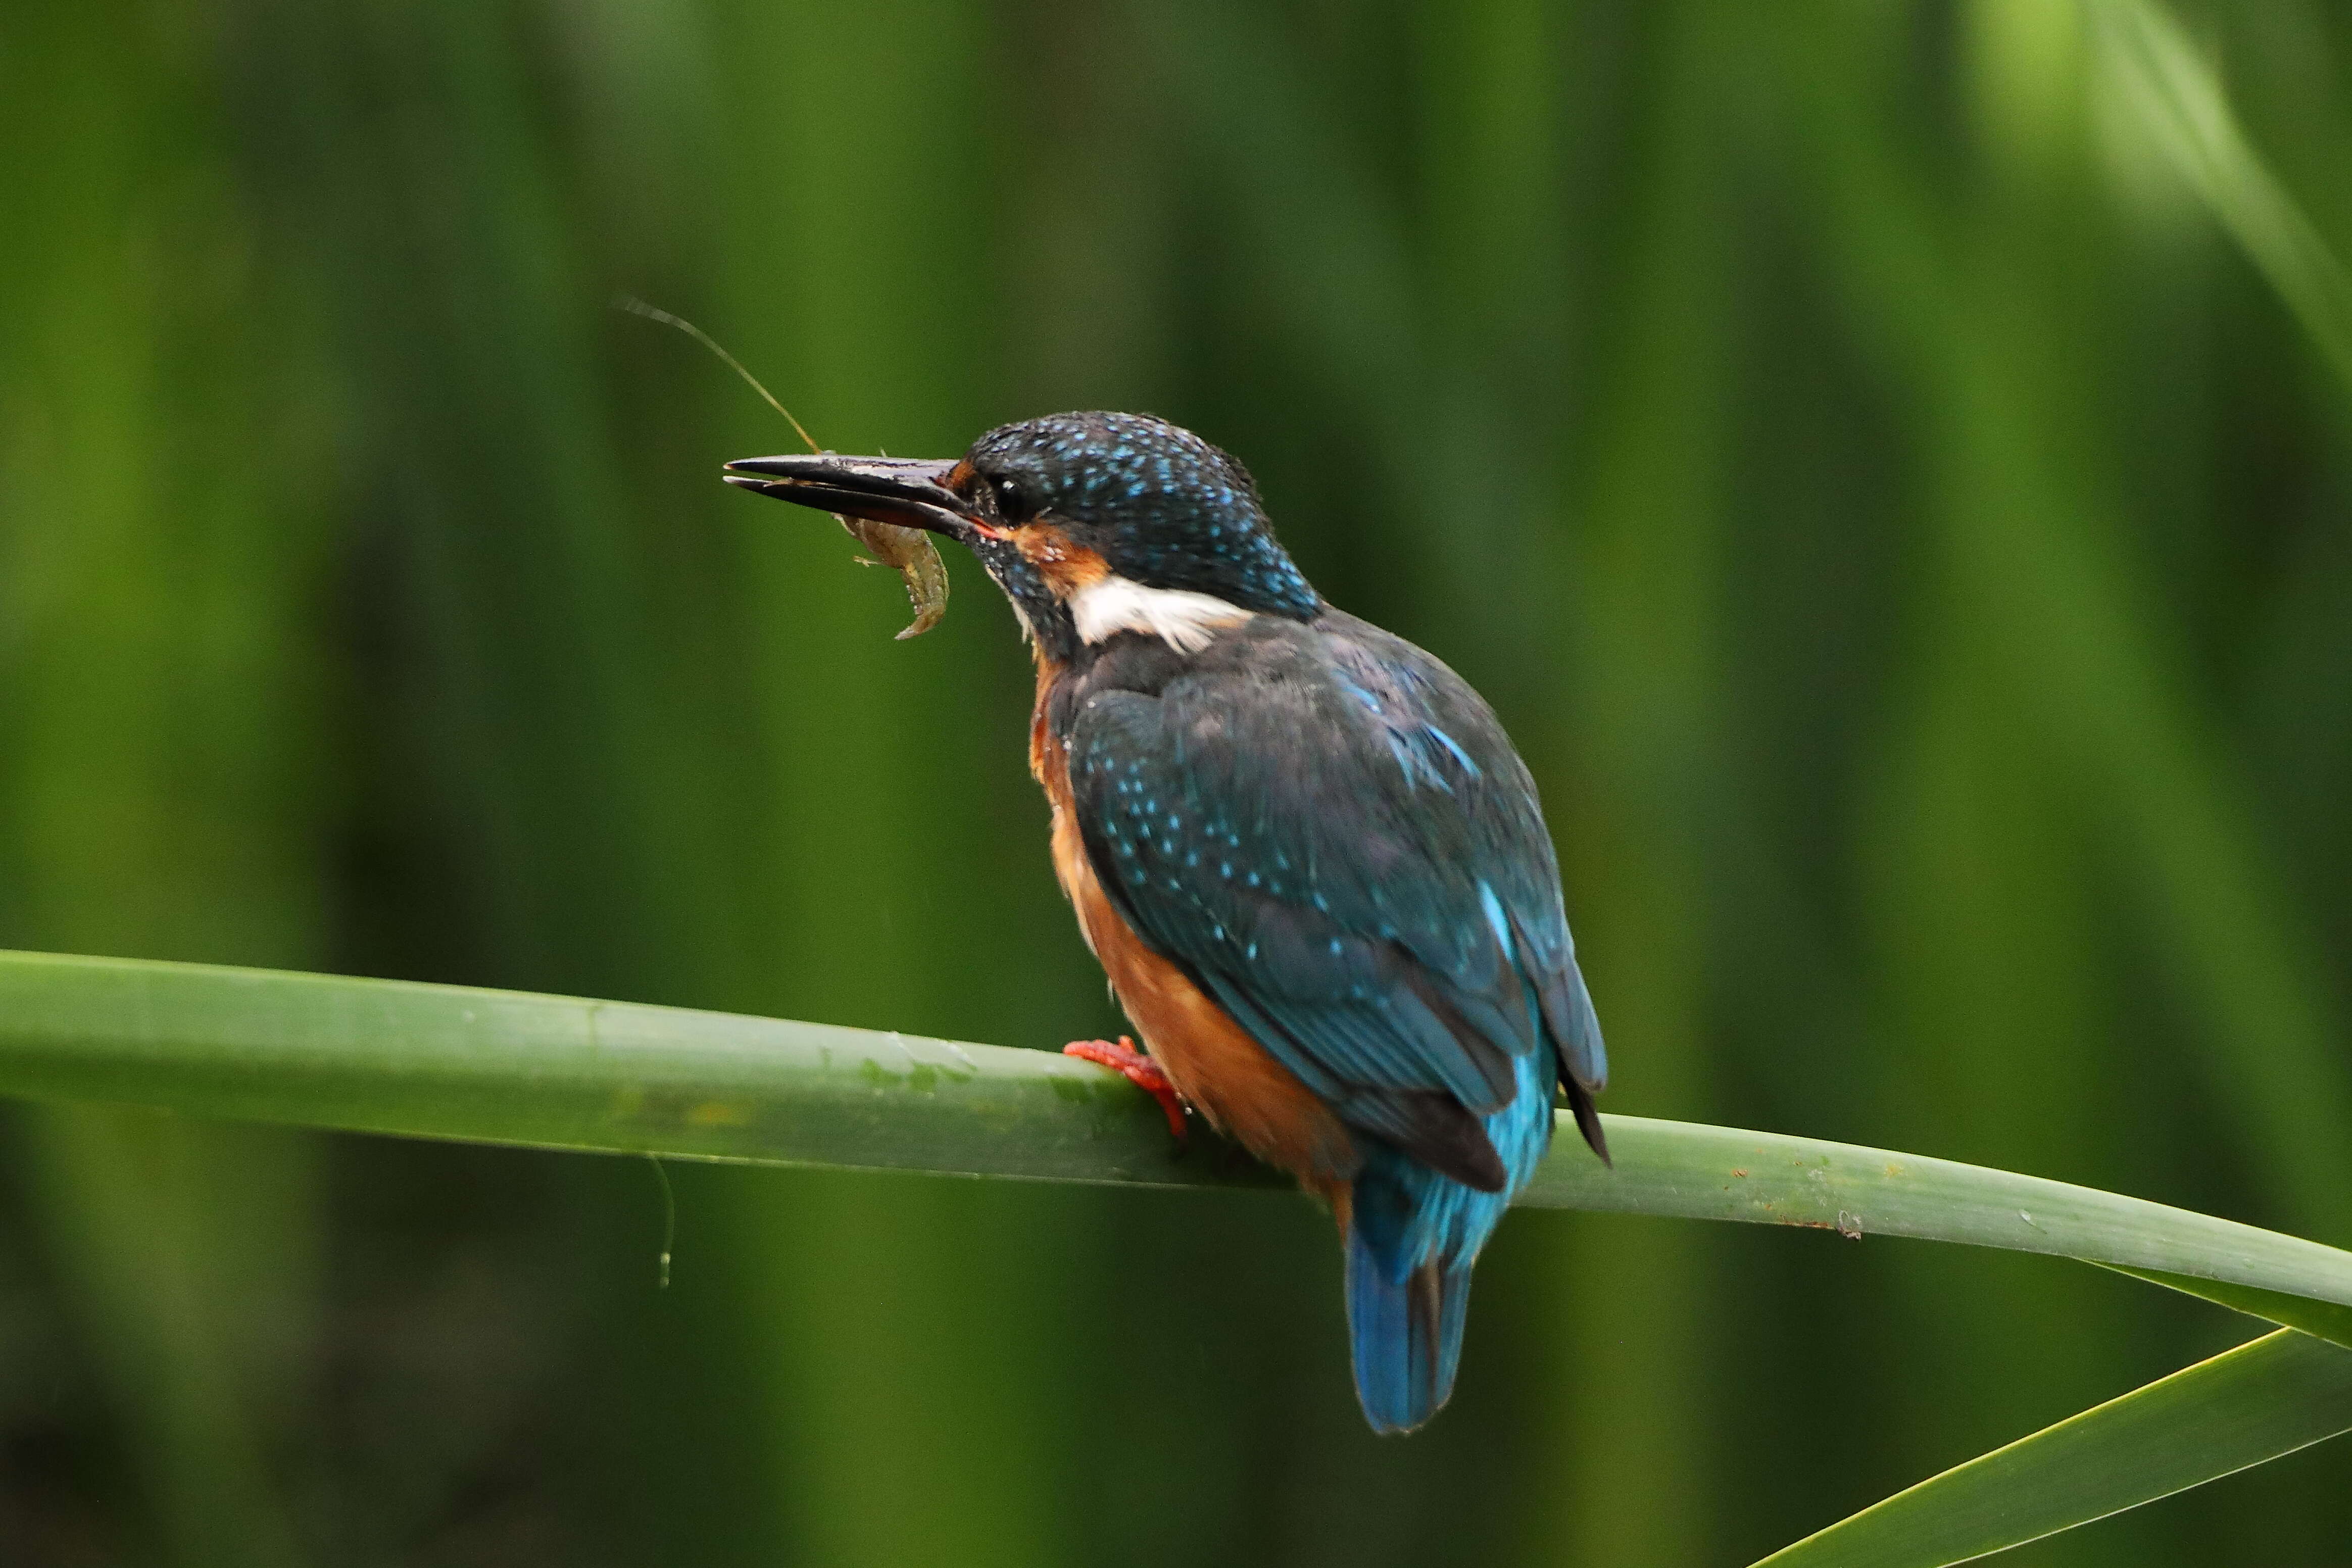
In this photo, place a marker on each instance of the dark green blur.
(1906, 532)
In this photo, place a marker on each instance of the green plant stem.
(561, 1072)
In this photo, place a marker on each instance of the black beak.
(908, 491)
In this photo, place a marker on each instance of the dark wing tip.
(1433, 1128)
(1588, 1120)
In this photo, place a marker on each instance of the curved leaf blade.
(567, 1072)
(2267, 1398)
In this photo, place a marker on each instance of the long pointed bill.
(908, 491)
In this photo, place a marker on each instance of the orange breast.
(1212, 1061)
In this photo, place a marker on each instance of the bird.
(1304, 850)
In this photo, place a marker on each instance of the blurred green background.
(1894, 489)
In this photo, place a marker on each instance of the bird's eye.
(1010, 502)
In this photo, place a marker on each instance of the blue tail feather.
(1406, 1334)
(1412, 1236)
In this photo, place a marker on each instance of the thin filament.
(636, 306)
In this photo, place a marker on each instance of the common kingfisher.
(1304, 850)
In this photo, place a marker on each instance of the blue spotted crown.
(1162, 506)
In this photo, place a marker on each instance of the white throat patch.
(1179, 617)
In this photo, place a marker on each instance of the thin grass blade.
(2268, 1397)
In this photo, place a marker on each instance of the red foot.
(1137, 1069)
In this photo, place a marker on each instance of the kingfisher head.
(1093, 524)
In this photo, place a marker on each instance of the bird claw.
(1138, 1069)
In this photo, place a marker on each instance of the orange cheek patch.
(1067, 567)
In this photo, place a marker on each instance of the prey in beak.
(890, 505)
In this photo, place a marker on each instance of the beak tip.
(747, 482)
(792, 464)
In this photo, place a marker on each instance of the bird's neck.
(1045, 745)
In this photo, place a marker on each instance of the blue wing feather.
(1331, 832)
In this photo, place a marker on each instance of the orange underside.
(1212, 1061)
